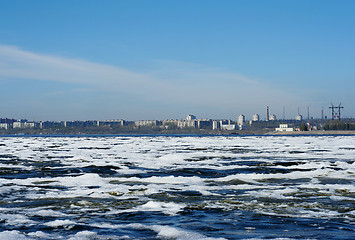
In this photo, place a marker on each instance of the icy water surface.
(177, 187)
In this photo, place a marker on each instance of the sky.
(98, 60)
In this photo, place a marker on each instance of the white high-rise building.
(215, 125)
(241, 119)
(299, 117)
(4, 125)
(190, 117)
(256, 118)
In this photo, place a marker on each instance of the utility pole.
(336, 111)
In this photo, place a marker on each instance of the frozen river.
(168, 187)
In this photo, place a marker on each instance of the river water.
(169, 187)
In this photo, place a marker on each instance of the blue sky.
(76, 60)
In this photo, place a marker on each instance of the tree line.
(339, 125)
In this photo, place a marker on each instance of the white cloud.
(185, 86)
(17, 63)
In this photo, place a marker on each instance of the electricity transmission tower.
(336, 111)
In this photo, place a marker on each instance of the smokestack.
(267, 113)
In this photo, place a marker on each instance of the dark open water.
(177, 187)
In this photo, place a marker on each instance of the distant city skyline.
(269, 116)
(78, 60)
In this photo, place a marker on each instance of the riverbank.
(307, 133)
(191, 132)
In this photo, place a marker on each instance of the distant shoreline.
(205, 134)
(309, 133)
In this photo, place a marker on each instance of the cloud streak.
(17, 63)
(183, 85)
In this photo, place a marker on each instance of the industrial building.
(284, 128)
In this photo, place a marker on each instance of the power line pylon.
(336, 111)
